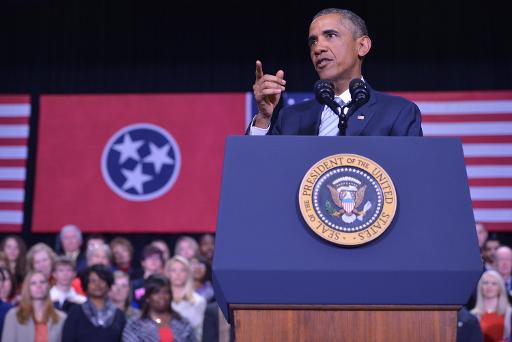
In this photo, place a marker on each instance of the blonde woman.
(41, 258)
(492, 307)
(35, 319)
(185, 301)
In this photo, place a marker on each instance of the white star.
(159, 156)
(128, 148)
(135, 178)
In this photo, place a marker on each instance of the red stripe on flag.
(12, 184)
(498, 226)
(492, 204)
(490, 182)
(13, 162)
(488, 160)
(10, 228)
(456, 95)
(14, 121)
(481, 139)
(11, 206)
(13, 141)
(466, 118)
(15, 99)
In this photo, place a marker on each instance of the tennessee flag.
(132, 163)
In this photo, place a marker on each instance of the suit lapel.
(318, 117)
(365, 113)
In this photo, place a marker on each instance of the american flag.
(14, 133)
(483, 121)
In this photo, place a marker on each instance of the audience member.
(4, 262)
(4, 307)
(152, 262)
(95, 240)
(489, 251)
(41, 257)
(492, 307)
(15, 250)
(186, 301)
(7, 290)
(99, 254)
(481, 234)
(202, 276)
(120, 295)
(35, 319)
(503, 264)
(468, 327)
(158, 321)
(71, 242)
(63, 296)
(206, 247)
(97, 319)
(122, 252)
(162, 245)
(187, 247)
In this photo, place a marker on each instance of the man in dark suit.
(338, 42)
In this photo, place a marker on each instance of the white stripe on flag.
(484, 171)
(14, 110)
(465, 107)
(496, 193)
(493, 215)
(11, 216)
(12, 195)
(13, 152)
(12, 173)
(468, 128)
(487, 150)
(14, 131)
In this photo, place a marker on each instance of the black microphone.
(324, 93)
(359, 92)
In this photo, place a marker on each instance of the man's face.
(481, 233)
(206, 246)
(152, 264)
(504, 261)
(122, 255)
(70, 242)
(334, 51)
(490, 248)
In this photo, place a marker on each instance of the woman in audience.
(97, 319)
(7, 290)
(187, 247)
(158, 321)
(186, 302)
(122, 255)
(120, 294)
(35, 319)
(201, 274)
(15, 250)
(41, 257)
(492, 307)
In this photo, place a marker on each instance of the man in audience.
(504, 266)
(152, 262)
(481, 234)
(63, 296)
(71, 241)
(488, 252)
(206, 246)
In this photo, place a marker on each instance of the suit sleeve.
(408, 122)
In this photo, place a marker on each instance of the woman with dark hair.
(158, 321)
(35, 319)
(97, 319)
(7, 287)
(15, 250)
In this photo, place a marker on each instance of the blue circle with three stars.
(141, 162)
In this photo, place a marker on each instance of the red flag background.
(73, 132)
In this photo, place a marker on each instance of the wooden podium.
(294, 323)
(276, 280)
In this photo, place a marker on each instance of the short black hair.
(358, 22)
(102, 271)
(150, 250)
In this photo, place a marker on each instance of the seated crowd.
(99, 293)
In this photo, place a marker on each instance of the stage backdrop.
(152, 163)
(14, 133)
(132, 163)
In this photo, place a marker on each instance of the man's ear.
(364, 44)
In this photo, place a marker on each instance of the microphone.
(359, 92)
(324, 93)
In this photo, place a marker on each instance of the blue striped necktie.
(329, 123)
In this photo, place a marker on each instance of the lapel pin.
(360, 117)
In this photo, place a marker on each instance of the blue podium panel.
(266, 254)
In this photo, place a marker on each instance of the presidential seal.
(347, 199)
